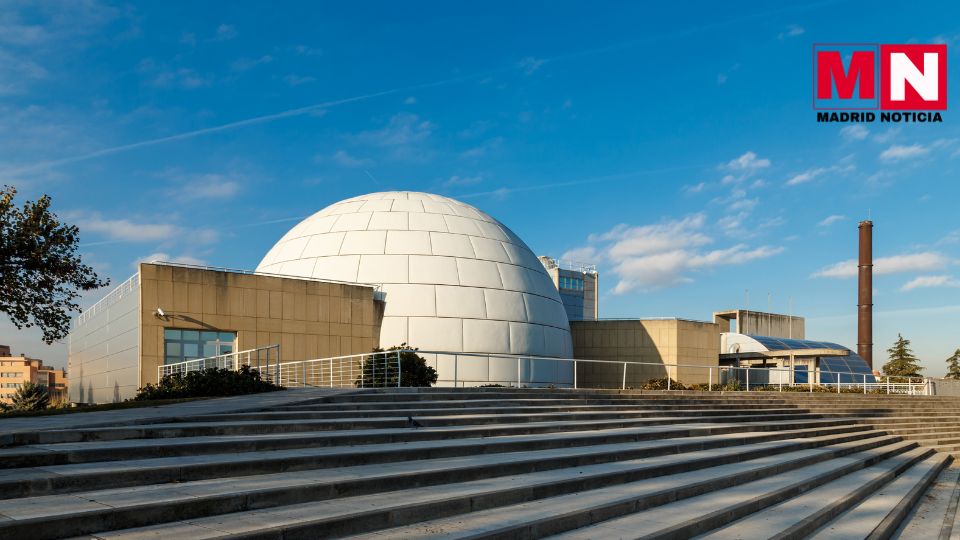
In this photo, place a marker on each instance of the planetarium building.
(377, 270)
(452, 278)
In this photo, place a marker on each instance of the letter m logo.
(845, 76)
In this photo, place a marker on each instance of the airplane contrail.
(333, 103)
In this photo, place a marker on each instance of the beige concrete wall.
(664, 343)
(309, 319)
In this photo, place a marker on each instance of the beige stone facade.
(117, 345)
(670, 345)
(309, 319)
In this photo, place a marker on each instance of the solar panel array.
(848, 369)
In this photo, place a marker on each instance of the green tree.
(30, 397)
(381, 369)
(41, 274)
(902, 362)
(953, 365)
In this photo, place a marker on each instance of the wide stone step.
(515, 499)
(721, 509)
(501, 409)
(136, 472)
(934, 514)
(504, 413)
(801, 516)
(45, 440)
(578, 469)
(882, 512)
(494, 403)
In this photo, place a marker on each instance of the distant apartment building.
(17, 370)
(578, 284)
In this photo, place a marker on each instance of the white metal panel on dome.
(454, 278)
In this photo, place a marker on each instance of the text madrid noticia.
(867, 82)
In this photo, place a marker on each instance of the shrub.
(414, 370)
(30, 397)
(661, 384)
(210, 382)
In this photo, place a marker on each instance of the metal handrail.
(258, 358)
(383, 369)
(111, 298)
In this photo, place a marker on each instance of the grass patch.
(95, 408)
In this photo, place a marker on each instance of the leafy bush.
(30, 397)
(210, 382)
(414, 370)
(661, 384)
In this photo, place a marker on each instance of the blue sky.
(673, 145)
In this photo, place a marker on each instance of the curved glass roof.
(844, 366)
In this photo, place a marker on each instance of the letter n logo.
(913, 77)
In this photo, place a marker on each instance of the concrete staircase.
(497, 463)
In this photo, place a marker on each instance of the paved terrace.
(489, 463)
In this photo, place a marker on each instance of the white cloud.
(811, 174)
(722, 78)
(913, 262)
(455, 181)
(748, 162)
(197, 186)
(830, 220)
(855, 132)
(402, 129)
(410, 100)
(696, 188)
(531, 64)
(306, 50)
(887, 136)
(900, 153)
(166, 257)
(211, 186)
(663, 254)
(126, 230)
(297, 80)
(930, 281)
(225, 32)
(793, 30)
(344, 159)
(246, 64)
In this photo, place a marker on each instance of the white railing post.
(668, 379)
(780, 379)
(864, 383)
(574, 374)
(710, 378)
(888, 385)
(623, 385)
(838, 382)
(518, 371)
(748, 379)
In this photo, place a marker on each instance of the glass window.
(181, 345)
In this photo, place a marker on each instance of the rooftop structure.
(760, 323)
(579, 287)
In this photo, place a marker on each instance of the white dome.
(454, 278)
